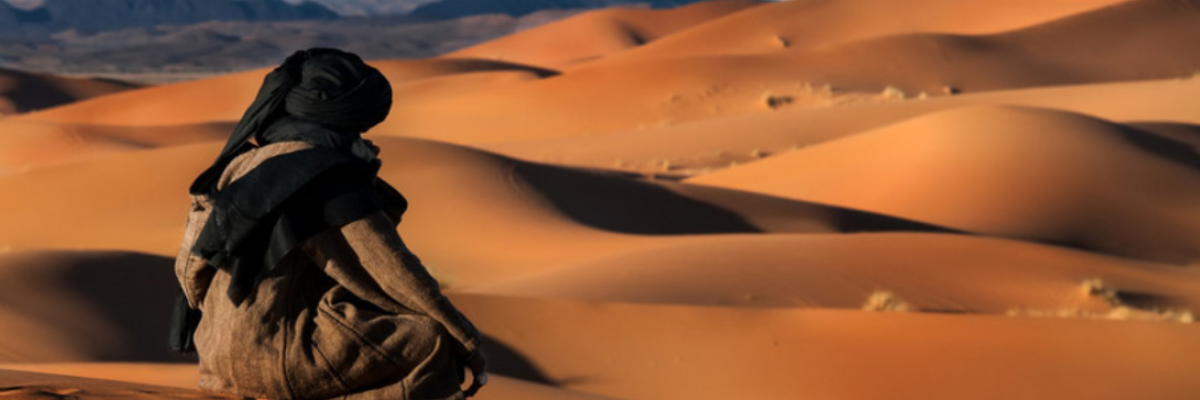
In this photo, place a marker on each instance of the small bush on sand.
(893, 93)
(883, 300)
(775, 101)
(1095, 287)
(1118, 310)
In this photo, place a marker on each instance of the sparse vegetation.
(1118, 310)
(886, 301)
(950, 90)
(756, 153)
(774, 101)
(1122, 313)
(893, 93)
(1095, 287)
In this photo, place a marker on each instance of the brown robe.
(352, 314)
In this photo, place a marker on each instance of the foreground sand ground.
(853, 199)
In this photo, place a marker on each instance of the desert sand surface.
(850, 199)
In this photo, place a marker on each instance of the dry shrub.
(1118, 310)
(775, 101)
(893, 93)
(883, 300)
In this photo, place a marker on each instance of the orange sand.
(708, 202)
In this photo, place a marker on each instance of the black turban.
(328, 87)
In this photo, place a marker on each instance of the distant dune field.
(853, 199)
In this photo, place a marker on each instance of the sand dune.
(627, 96)
(658, 352)
(528, 203)
(635, 96)
(1025, 173)
(177, 375)
(31, 385)
(703, 146)
(85, 306)
(700, 203)
(598, 34)
(88, 381)
(31, 144)
(22, 92)
(224, 98)
(816, 24)
(842, 271)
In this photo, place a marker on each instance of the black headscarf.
(329, 87)
(324, 97)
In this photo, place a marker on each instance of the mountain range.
(99, 15)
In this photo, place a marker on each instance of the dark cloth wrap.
(324, 97)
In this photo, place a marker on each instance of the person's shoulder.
(248, 161)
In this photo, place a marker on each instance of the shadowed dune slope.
(939, 273)
(22, 92)
(85, 306)
(1034, 174)
(593, 35)
(659, 352)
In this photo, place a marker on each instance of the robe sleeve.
(370, 249)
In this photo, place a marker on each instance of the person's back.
(305, 288)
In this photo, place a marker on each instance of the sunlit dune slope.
(659, 352)
(22, 92)
(598, 34)
(815, 24)
(936, 273)
(1034, 174)
(1166, 107)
